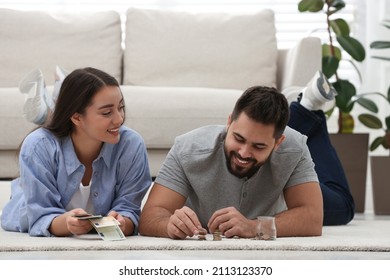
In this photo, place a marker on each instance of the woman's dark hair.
(265, 105)
(76, 93)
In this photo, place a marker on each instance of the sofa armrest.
(296, 66)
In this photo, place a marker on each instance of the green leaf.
(370, 121)
(330, 64)
(386, 23)
(353, 47)
(381, 57)
(381, 95)
(338, 4)
(346, 91)
(368, 104)
(310, 6)
(327, 51)
(387, 122)
(386, 141)
(388, 94)
(376, 143)
(340, 27)
(380, 45)
(334, 6)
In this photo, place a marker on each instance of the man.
(222, 178)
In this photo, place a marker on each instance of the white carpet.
(359, 235)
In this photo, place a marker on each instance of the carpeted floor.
(366, 237)
(358, 236)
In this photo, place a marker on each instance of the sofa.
(178, 70)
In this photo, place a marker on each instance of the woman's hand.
(77, 226)
(126, 225)
(67, 224)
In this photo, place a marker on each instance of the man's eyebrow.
(260, 144)
(238, 135)
(254, 144)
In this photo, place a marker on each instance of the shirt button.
(244, 195)
(95, 194)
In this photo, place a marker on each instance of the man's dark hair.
(264, 105)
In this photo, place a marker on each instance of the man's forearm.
(299, 222)
(154, 221)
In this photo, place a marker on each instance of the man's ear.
(76, 119)
(229, 120)
(279, 141)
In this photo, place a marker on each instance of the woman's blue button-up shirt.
(50, 173)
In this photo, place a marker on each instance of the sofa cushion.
(160, 114)
(37, 39)
(14, 127)
(214, 50)
(5, 193)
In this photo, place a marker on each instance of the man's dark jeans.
(338, 201)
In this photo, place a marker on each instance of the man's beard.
(239, 171)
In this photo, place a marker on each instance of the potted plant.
(380, 164)
(351, 148)
(338, 31)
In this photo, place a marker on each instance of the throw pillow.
(217, 50)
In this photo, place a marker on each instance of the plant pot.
(380, 184)
(352, 150)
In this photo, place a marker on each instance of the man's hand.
(232, 223)
(183, 223)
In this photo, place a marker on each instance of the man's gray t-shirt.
(196, 168)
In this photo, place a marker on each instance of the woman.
(83, 161)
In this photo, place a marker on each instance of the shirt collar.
(72, 163)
